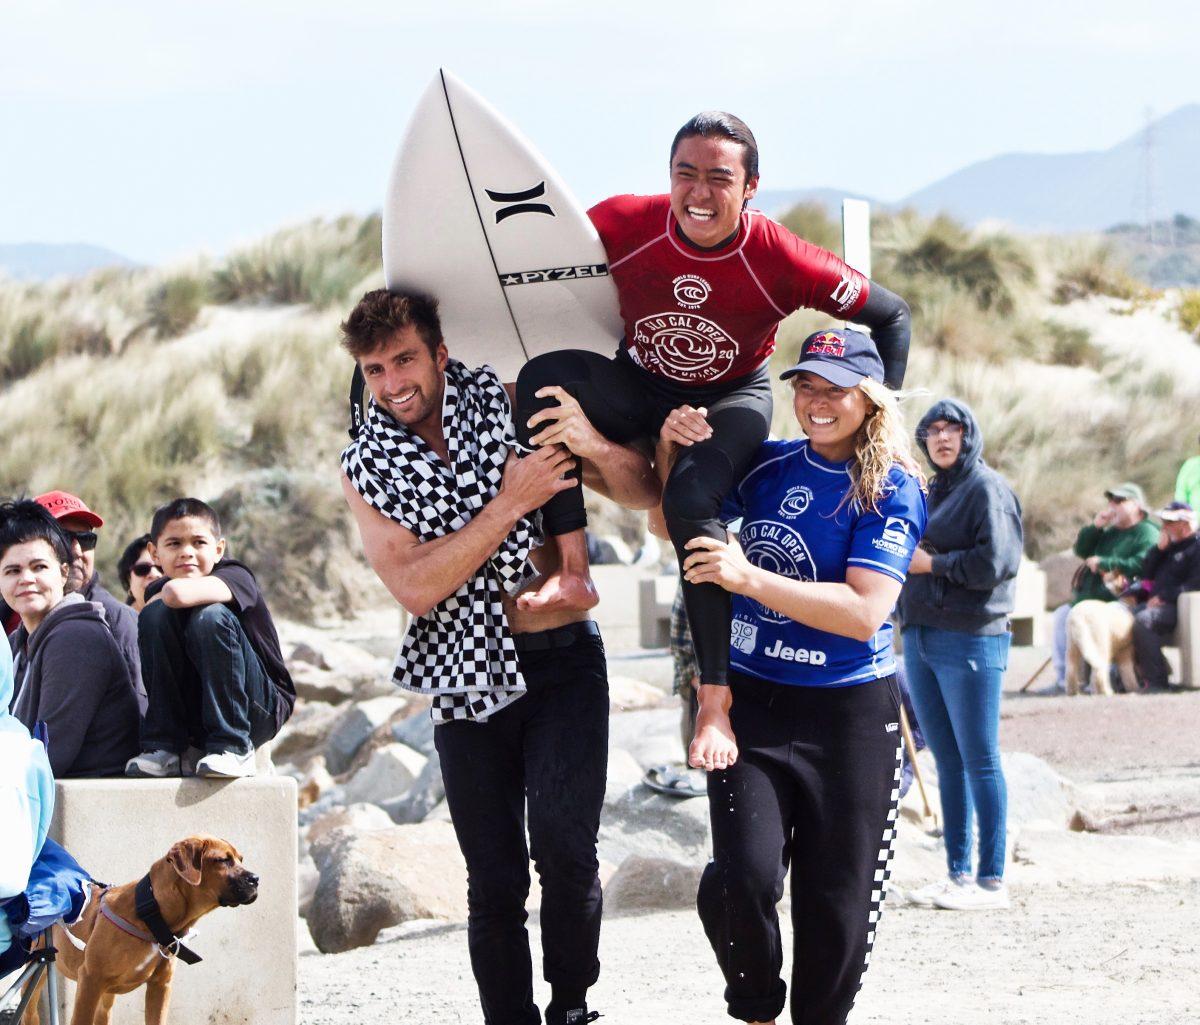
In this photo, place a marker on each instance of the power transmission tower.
(1148, 172)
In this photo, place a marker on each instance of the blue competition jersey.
(792, 525)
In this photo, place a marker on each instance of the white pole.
(856, 234)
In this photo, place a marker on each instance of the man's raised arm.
(421, 574)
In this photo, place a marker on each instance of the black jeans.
(205, 684)
(547, 751)
(626, 403)
(1151, 626)
(815, 786)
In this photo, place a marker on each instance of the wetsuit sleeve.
(888, 317)
(884, 541)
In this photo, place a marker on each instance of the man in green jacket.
(1116, 541)
(1187, 484)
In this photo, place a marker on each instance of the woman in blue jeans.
(954, 609)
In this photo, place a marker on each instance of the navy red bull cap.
(842, 357)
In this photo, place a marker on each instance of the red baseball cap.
(61, 504)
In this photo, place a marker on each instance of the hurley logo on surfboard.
(520, 202)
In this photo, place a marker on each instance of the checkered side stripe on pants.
(883, 865)
(461, 652)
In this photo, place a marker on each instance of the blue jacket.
(974, 534)
(26, 797)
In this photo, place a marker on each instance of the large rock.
(423, 796)
(416, 731)
(652, 825)
(624, 775)
(1060, 570)
(371, 881)
(358, 818)
(651, 884)
(625, 693)
(1059, 857)
(305, 732)
(355, 725)
(1036, 793)
(388, 775)
(313, 684)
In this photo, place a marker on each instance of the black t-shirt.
(250, 607)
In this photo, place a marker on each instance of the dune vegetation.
(224, 379)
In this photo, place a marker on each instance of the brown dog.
(197, 875)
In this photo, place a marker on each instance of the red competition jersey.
(697, 317)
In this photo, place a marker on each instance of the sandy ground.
(1096, 944)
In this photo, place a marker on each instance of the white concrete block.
(116, 828)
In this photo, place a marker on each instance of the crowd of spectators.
(184, 676)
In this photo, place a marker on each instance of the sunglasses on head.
(142, 569)
(86, 539)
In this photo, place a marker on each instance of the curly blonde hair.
(881, 443)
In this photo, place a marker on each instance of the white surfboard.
(476, 218)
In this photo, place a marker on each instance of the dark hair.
(716, 124)
(381, 313)
(129, 559)
(177, 509)
(22, 520)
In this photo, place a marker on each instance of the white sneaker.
(155, 764)
(924, 897)
(226, 765)
(973, 897)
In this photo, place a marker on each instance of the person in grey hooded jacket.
(954, 611)
(70, 673)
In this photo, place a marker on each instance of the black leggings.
(625, 403)
(816, 787)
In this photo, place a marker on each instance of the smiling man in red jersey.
(703, 282)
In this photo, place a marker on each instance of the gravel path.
(1073, 949)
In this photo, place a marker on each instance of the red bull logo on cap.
(830, 343)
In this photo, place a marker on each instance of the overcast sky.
(158, 129)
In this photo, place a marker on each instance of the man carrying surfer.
(520, 697)
(703, 283)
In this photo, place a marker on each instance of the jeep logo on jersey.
(681, 347)
(831, 343)
(780, 549)
(795, 501)
(520, 202)
(691, 290)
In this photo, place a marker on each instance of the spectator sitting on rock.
(1116, 541)
(137, 570)
(214, 672)
(1187, 484)
(80, 525)
(70, 674)
(1172, 566)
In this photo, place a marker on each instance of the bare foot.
(561, 590)
(714, 746)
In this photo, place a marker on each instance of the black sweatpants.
(814, 787)
(547, 751)
(626, 403)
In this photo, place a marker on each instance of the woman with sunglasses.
(70, 674)
(137, 571)
(829, 524)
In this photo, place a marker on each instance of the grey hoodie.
(72, 677)
(975, 535)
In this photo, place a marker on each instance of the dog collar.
(150, 913)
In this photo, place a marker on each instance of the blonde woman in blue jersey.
(810, 777)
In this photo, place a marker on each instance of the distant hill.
(779, 201)
(1077, 191)
(37, 261)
